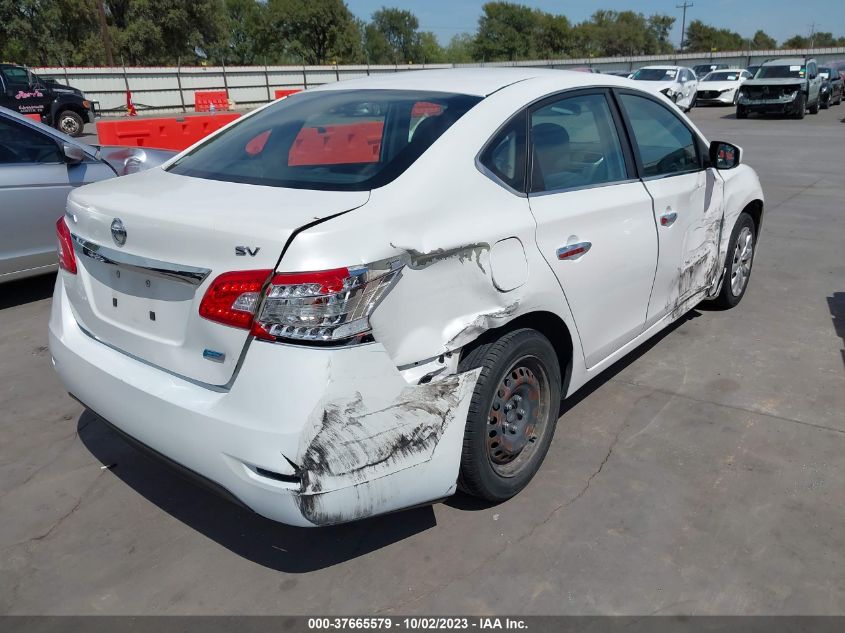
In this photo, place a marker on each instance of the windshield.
(341, 140)
(796, 71)
(655, 74)
(826, 73)
(722, 76)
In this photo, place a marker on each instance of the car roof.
(470, 81)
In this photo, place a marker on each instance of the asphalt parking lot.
(702, 475)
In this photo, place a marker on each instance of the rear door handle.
(668, 218)
(573, 251)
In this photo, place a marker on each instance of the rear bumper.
(304, 436)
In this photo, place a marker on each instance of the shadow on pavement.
(267, 543)
(836, 304)
(22, 291)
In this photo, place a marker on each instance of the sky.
(779, 18)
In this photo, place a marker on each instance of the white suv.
(358, 298)
(678, 83)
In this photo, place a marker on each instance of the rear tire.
(70, 123)
(738, 263)
(512, 414)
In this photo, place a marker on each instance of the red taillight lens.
(64, 248)
(232, 298)
(326, 306)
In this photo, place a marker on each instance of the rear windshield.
(350, 140)
(655, 74)
(796, 71)
(722, 76)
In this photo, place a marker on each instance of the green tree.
(245, 36)
(399, 30)
(315, 31)
(763, 41)
(659, 28)
(797, 41)
(460, 49)
(505, 32)
(553, 38)
(704, 38)
(429, 49)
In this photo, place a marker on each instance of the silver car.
(39, 166)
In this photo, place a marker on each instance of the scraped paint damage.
(356, 447)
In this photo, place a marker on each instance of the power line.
(686, 5)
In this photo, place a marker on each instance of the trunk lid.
(143, 297)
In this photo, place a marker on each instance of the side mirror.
(73, 154)
(724, 155)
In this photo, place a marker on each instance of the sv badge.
(243, 251)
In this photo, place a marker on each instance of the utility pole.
(104, 31)
(686, 5)
(812, 34)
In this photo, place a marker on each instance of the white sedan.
(721, 87)
(364, 296)
(677, 83)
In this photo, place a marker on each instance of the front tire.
(512, 414)
(70, 123)
(741, 112)
(739, 262)
(814, 109)
(800, 106)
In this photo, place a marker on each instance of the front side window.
(505, 155)
(344, 140)
(665, 145)
(21, 145)
(574, 144)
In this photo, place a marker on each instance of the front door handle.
(573, 251)
(668, 218)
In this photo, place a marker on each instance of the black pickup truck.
(63, 107)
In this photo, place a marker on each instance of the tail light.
(322, 307)
(325, 306)
(231, 298)
(64, 248)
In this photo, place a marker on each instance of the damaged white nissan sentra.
(363, 296)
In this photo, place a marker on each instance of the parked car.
(701, 70)
(326, 339)
(679, 84)
(63, 107)
(39, 166)
(832, 87)
(721, 87)
(618, 73)
(782, 86)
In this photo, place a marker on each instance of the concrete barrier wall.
(171, 89)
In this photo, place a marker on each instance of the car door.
(687, 201)
(22, 95)
(34, 184)
(689, 85)
(595, 226)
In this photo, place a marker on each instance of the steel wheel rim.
(69, 125)
(741, 264)
(518, 416)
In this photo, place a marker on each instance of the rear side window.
(350, 140)
(575, 144)
(22, 145)
(665, 145)
(505, 155)
(16, 76)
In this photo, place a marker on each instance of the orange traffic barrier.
(337, 144)
(164, 133)
(34, 117)
(203, 100)
(286, 92)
